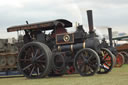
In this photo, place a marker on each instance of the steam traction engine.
(118, 56)
(59, 51)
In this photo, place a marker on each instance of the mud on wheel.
(35, 60)
(107, 61)
(86, 62)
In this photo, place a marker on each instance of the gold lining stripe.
(102, 53)
(72, 48)
(59, 49)
(84, 44)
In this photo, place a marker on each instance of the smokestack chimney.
(90, 20)
(26, 22)
(110, 36)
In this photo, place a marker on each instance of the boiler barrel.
(72, 47)
(89, 43)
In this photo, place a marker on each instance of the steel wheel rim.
(125, 54)
(106, 62)
(119, 60)
(87, 63)
(35, 61)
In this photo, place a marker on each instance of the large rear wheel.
(34, 60)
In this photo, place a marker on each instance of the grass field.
(118, 76)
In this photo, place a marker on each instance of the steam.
(99, 33)
(83, 16)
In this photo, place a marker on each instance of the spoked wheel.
(119, 60)
(107, 61)
(58, 63)
(86, 62)
(125, 54)
(34, 60)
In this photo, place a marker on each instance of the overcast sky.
(106, 13)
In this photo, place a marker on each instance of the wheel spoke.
(40, 56)
(41, 61)
(32, 54)
(43, 66)
(32, 71)
(107, 60)
(82, 55)
(27, 67)
(81, 67)
(32, 48)
(39, 66)
(24, 60)
(106, 57)
(32, 51)
(93, 66)
(36, 52)
(107, 64)
(91, 69)
(90, 57)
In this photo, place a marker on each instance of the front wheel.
(86, 62)
(107, 61)
(125, 54)
(119, 60)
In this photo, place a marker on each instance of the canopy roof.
(41, 25)
(120, 38)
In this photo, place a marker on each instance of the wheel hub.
(34, 60)
(85, 61)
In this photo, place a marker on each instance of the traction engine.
(61, 52)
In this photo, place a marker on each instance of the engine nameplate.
(64, 38)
